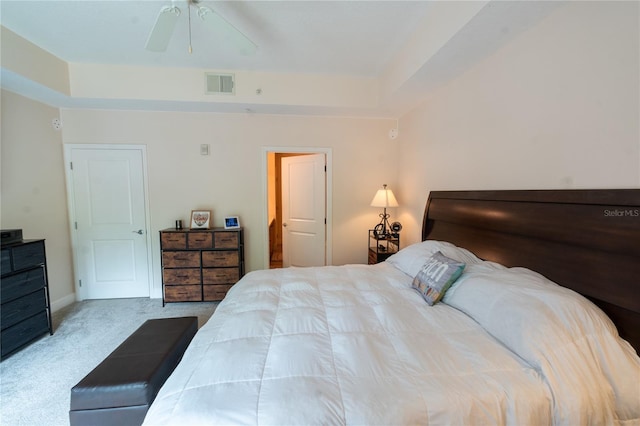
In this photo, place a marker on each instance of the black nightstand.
(382, 246)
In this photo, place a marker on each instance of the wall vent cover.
(216, 83)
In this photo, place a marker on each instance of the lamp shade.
(384, 198)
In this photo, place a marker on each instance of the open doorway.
(275, 206)
(298, 218)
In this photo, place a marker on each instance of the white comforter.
(345, 345)
(357, 345)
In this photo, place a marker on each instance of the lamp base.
(383, 229)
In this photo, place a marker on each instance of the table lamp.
(384, 198)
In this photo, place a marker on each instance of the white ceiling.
(337, 37)
(358, 38)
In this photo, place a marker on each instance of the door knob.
(139, 231)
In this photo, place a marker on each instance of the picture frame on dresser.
(200, 219)
(231, 222)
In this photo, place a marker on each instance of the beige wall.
(556, 108)
(33, 187)
(230, 181)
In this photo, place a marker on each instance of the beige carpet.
(35, 382)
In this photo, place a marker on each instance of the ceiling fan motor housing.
(162, 31)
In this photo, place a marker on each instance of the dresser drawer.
(22, 308)
(220, 275)
(181, 259)
(215, 292)
(28, 255)
(183, 293)
(173, 240)
(181, 276)
(5, 267)
(200, 240)
(220, 258)
(227, 240)
(24, 332)
(15, 286)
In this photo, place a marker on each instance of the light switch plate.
(204, 149)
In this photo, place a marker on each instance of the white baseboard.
(56, 305)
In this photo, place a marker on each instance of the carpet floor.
(35, 382)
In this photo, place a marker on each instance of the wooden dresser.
(24, 292)
(200, 265)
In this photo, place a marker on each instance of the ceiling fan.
(168, 17)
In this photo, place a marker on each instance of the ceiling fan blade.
(223, 28)
(163, 29)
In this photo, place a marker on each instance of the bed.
(521, 337)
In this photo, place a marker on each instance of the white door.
(109, 222)
(303, 210)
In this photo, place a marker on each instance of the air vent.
(219, 83)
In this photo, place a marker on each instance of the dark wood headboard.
(586, 240)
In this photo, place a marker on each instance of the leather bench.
(121, 388)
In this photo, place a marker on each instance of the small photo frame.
(231, 222)
(200, 219)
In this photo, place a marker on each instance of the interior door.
(303, 210)
(111, 251)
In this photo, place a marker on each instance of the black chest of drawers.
(25, 313)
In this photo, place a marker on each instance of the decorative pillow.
(436, 276)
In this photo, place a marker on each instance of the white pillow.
(592, 372)
(411, 258)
